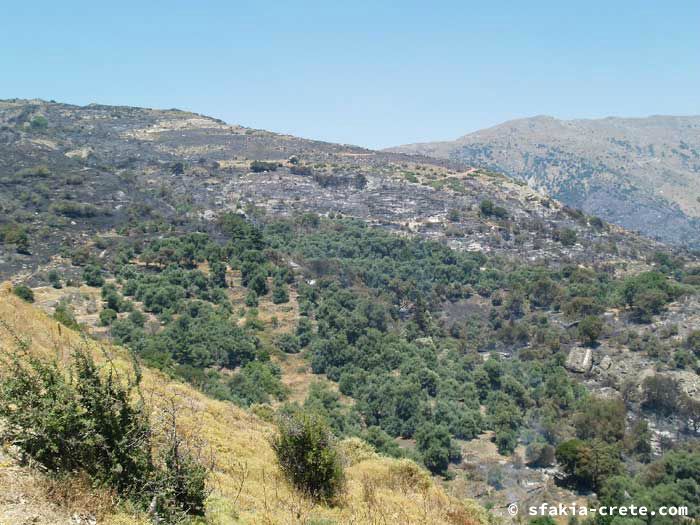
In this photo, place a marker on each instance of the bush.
(489, 209)
(259, 166)
(64, 315)
(76, 210)
(107, 316)
(692, 342)
(288, 343)
(23, 292)
(39, 123)
(251, 299)
(258, 284)
(86, 421)
(567, 237)
(280, 294)
(55, 279)
(92, 275)
(303, 171)
(15, 234)
(307, 455)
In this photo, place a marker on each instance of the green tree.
(589, 329)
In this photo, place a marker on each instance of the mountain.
(640, 173)
(437, 332)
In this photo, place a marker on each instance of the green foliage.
(256, 382)
(92, 275)
(289, 343)
(201, 337)
(382, 442)
(12, 233)
(23, 292)
(692, 342)
(54, 279)
(673, 480)
(307, 456)
(590, 329)
(107, 316)
(39, 123)
(647, 293)
(436, 447)
(251, 299)
(280, 294)
(588, 463)
(660, 393)
(86, 421)
(602, 419)
(64, 315)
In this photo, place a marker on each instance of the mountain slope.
(641, 173)
(68, 173)
(246, 484)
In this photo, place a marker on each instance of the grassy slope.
(246, 484)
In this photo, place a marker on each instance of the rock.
(579, 360)
(605, 363)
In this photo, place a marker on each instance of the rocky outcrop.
(579, 360)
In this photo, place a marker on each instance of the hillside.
(640, 173)
(245, 481)
(444, 315)
(68, 173)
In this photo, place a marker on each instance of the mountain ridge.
(639, 172)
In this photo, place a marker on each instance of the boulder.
(579, 360)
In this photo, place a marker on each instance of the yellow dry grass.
(245, 482)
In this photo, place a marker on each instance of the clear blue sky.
(370, 73)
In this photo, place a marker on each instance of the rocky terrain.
(68, 173)
(640, 173)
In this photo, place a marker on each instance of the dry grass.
(246, 484)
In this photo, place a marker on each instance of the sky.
(375, 74)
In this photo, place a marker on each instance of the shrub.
(75, 210)
(39, 123)
(288, 343)
(259, 166)
(17, 235)
(64, 315)
(258, 284)
(280, 294)
(303, 171)
(23, 292)
(489, 209)
(55, 279)
(92, 275)
(567, 237)
(251, 299)
(86, 421)
(540, 455)
(107, 316)
(307, 455)
(692, 342)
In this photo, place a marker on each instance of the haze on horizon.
(365, 73)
